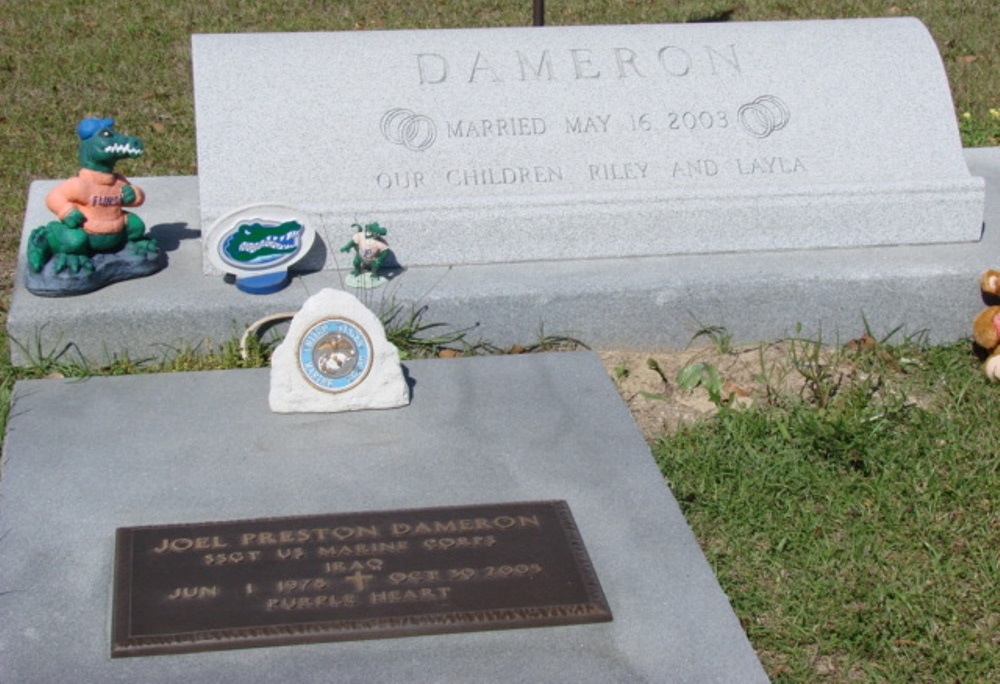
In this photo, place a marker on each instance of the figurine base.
(111, 267)
(364, 281)
(263, 284)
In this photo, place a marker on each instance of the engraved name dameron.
(577, 64)
(394, 530)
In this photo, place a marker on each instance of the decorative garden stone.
(336, 357)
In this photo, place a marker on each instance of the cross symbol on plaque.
(358, 579)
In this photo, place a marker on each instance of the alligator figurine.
(370, 253)
(94, 241)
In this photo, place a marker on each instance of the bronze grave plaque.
(274, 581)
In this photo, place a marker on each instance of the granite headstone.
(525, 144)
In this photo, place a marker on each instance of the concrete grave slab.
(536, 144)
(81, 459)
(641, 303)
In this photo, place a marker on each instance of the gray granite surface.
(83, 458)
(642, 303)
(504, 145)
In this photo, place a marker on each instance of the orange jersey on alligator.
(98, 196)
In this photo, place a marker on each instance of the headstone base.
(635, 303)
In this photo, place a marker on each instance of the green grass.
(980, 132)
(857, 539)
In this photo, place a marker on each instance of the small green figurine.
(370, 252)
(94, 241)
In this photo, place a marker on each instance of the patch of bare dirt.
(647, 381)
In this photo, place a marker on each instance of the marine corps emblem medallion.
(335, 355)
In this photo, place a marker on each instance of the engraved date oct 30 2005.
(490, 572)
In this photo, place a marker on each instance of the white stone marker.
(499, 145)
(334, 358)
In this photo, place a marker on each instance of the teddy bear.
(986, 326)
